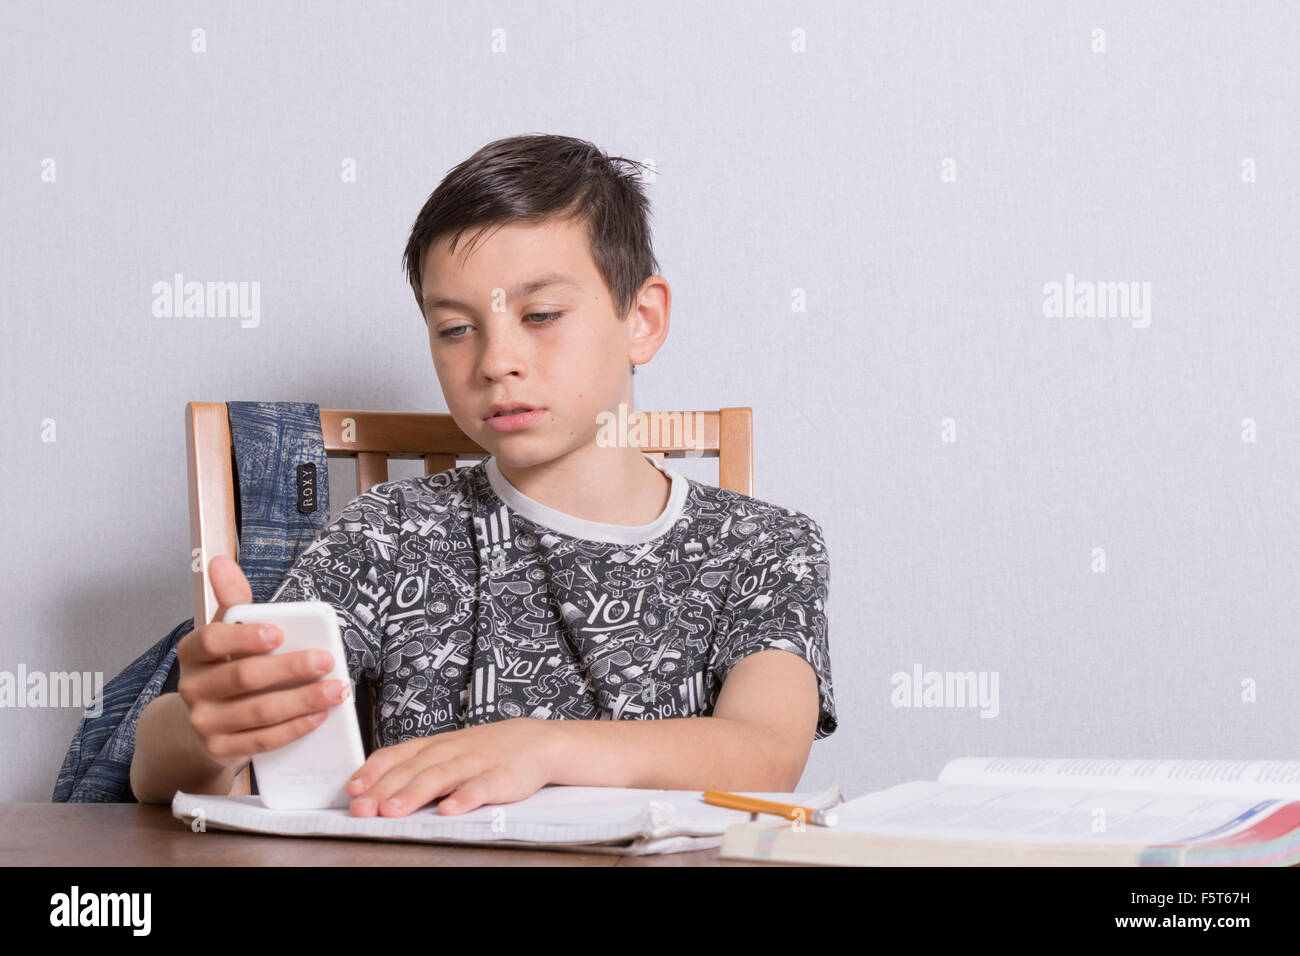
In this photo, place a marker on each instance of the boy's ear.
(650, 320)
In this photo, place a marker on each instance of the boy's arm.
(758, 738)
(169, 757)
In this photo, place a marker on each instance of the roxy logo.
(208, 300)
(1098, 300)
(102, 909)
(953, 689)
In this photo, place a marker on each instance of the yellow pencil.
(720, 798)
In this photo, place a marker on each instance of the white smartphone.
(310, 773)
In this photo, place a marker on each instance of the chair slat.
(436, 463)
(211, 498)
(396, 434)
(736, 450)
(372, 469)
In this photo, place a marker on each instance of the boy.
(524, 618)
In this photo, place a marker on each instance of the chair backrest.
(374, 437)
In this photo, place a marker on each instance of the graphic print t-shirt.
(462, 601)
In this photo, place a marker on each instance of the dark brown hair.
(536, 177)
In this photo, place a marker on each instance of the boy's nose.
(500, 357)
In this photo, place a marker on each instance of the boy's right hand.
(240, 699)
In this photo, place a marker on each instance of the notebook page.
(553, 814)
(605, 817)
(672, 811)
(1243, 778)
(1048, 815)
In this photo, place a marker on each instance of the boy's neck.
(617, 486)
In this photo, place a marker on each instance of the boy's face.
(526, 318)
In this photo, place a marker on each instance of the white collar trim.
(565, 523)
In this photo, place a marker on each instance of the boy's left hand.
(499, 762)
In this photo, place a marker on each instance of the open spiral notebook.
(588, 819)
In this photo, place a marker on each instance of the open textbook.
(589, 819)
(1039, 812)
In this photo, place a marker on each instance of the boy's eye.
(546, 319)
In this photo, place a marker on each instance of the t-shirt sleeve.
(349, 564)
(777, 599)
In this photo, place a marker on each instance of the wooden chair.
(374, 437)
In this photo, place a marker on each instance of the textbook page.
(1242, 778)
(1048, 815)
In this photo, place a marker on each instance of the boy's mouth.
(513, 416)
(509, 408)
(515, 419)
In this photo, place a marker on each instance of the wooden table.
(134, 834)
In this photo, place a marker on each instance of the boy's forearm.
(169, 757)
(680, 753)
